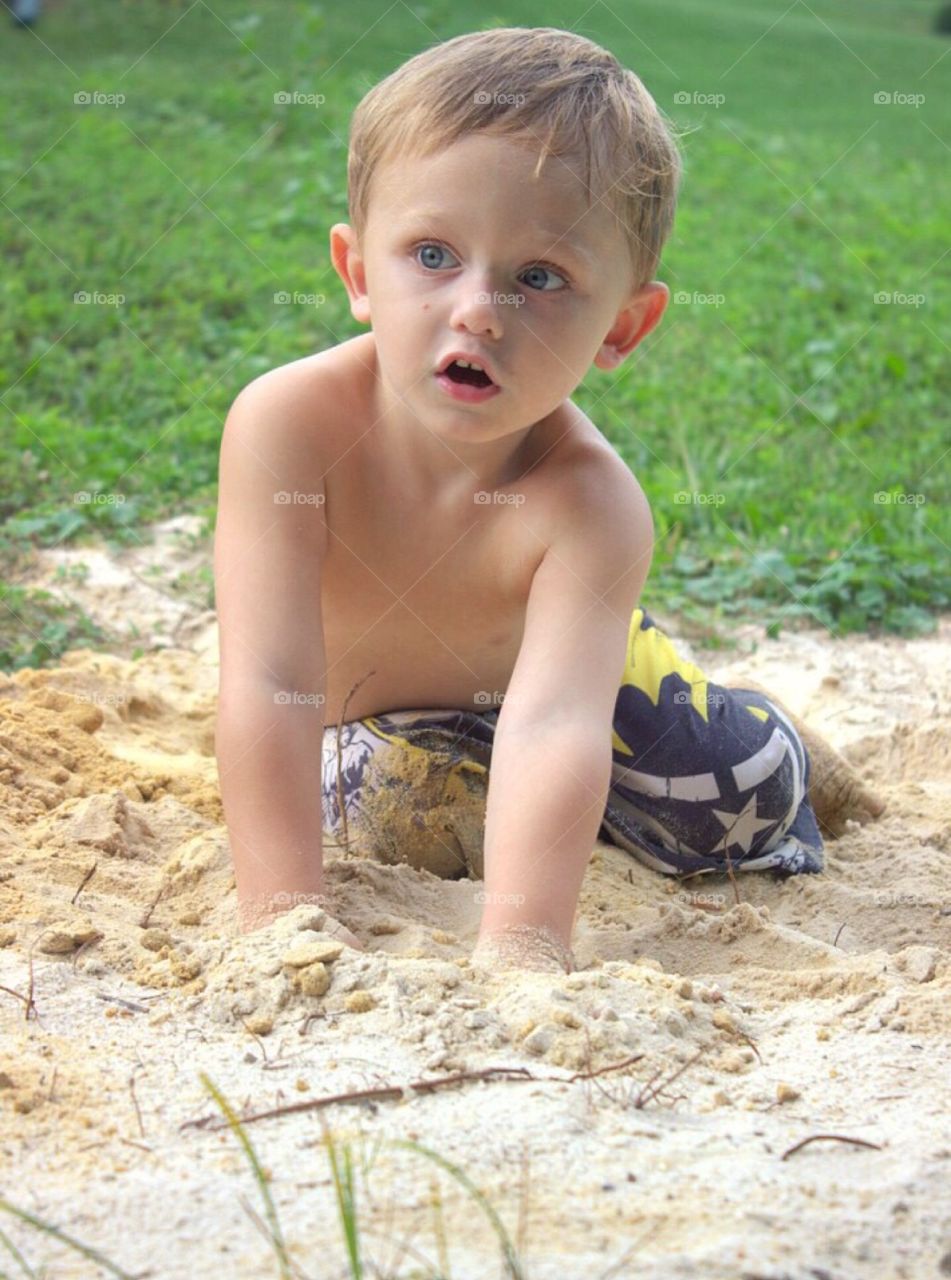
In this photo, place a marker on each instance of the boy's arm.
(268, 558)
(551, 758)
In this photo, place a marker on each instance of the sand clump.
(747, 1016)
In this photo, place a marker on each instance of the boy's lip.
(473, 357)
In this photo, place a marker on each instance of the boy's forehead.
(451, 185)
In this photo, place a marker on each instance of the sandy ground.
(814, 1006)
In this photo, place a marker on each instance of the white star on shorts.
(743, 825)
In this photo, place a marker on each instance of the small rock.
(918, 962)
(62, 939)
(155, 939)
(301, 954)
(786, 1093)
(259, 1024)
(723, 1020)
(381, 927)
(359, 1002)
(443, 937)
(540, 1040)
(314, 980)
(565, 1018)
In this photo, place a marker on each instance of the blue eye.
(550, 272)
(436, 248)
(431, 247)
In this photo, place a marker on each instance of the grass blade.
(277, 1238)
(92, 1254)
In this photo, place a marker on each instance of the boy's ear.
(347, 258)
(642, 313)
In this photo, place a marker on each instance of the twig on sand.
(345, 842)
(649, 1093)
(144, 922)
(85, 880)
(831, 1137)
(385, 1092)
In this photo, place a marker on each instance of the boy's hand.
(523, 947)
(252, 917)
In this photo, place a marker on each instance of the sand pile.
(736, 1028)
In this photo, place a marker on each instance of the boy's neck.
(439, 467)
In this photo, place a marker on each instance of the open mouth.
(474, 377)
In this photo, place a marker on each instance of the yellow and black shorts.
(703, 777)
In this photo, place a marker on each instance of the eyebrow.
(558, 241)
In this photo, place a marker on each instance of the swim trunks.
(703, 777)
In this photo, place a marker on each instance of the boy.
(419, 522)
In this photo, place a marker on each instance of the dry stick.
(144, 922)
(340, 723)
(90, 942)
(126, 1004)
(19, 995)
(832, 1137)
(643, 1097)
(135, 1102)
(399, 1091)
(85, 880)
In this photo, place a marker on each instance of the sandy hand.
(251, 919)
(523, 946)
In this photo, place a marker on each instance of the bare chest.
(423, 606)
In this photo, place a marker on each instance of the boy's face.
(464, 251)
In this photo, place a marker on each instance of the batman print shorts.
(704, 778)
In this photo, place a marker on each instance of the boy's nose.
(479, 310)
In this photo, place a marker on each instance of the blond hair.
(559, 88)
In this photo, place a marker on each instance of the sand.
(818, 1005)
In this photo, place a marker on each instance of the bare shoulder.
(300, 405)
(590, 486)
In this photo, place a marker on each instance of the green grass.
(787, 406)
